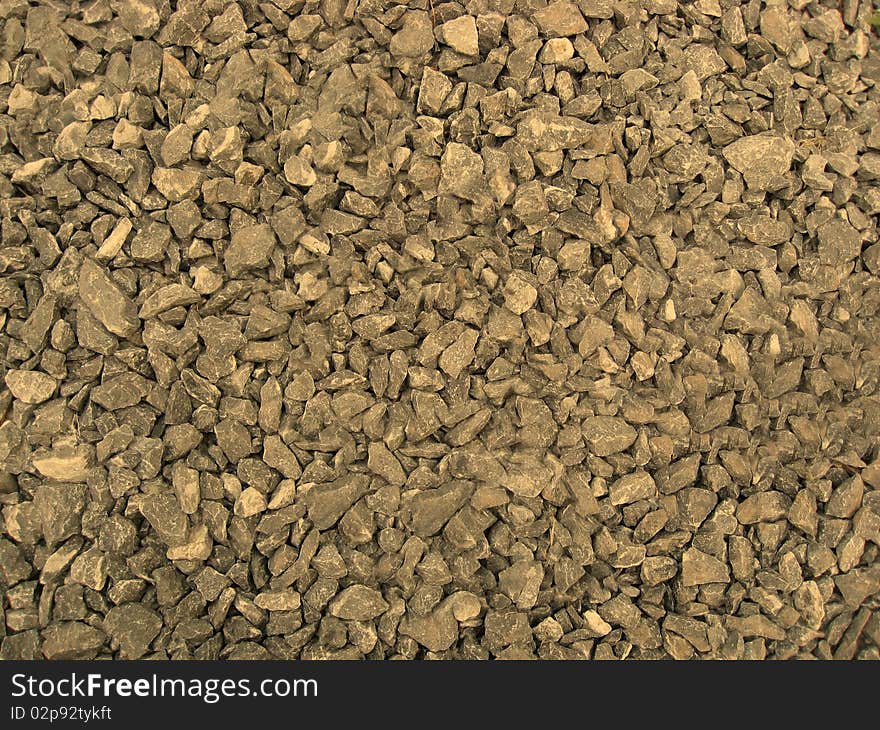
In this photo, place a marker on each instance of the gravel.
(496, 329)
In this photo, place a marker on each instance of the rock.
(776, 28)
(632, 488)
(436, 632)
(519, 295)
(461, 172)
(197, 547)
(299, 172)
(637, 200)
(133, 627)
(433, 90)
(59, 508)
(839, 242)
(658, 569)
(30, 386)
(546, 132)
(186, 486)
(249, 503)
(756, 625)
(383, 463)
(846, 499)
(326, 503)
(521, 582)
(168, 297)
(526, 477)
(704, 61)
(176, 184)
(750, 314)
(637, 79)
(277, 455)
(105, 300)
(165, 516)
(608, 435)
(698, 568)
(71, 140)
(762, 507)
(151, 242)
(234, 438)
(595, 624)
(121, 391)
(561, 18)
(808, 600)
(288, 600)
(866, 525)
(465, 606)
(530, 203)
(764, 230)
(103, 161)
(857, 585)
(416, 36)
(460, 354)
(460, 35)
(358, 603)
(302, 26)
(138, 17)
(114, 242)
(59, 561)
(432, 509)
(249, 249)
(763, 159)
(66, 462)
(71, 640)
(176, 146)
(556, 50)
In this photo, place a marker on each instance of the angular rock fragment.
(164, 514)
(461, 172)
(839, 242)
(383, 463)
(632, 487)
(698, 568)
(521, 582)
(455, 358)
(763, 159)
(133, 627)
(608, 435)
(460, 34)
(561, 18)
(71, 640)
(416, 36)
(432, 509)
(249, 249)
(168, 297)
(65, 461)
(545, 132)
(519, 294)
(299, 172)
(437, 631)
(30, 386)
(358, 603)
(106, 301)
(762, 507)
(59, 508)
(176, 184)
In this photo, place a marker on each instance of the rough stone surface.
(435, 330)
(763, 159)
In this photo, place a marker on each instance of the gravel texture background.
(505, 329)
